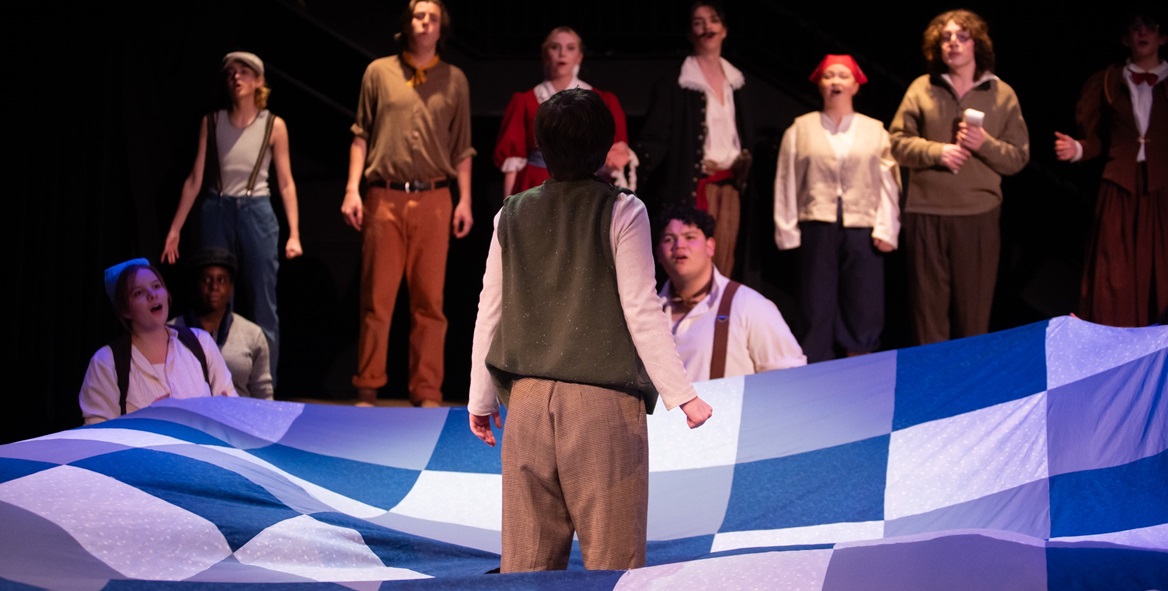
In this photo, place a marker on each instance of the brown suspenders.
(212, 158)
(722, 332)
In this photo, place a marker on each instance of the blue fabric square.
(1110, 418)
(1024, 509)
(1136, 496)
(380, 486)
(960, 562)
(1114, 569)
(708, 488)
(11, 468)
(670, 551)
(837, 485)
(947, 379)
(22, 555)
(398, 437)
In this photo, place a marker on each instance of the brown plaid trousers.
(575, 460)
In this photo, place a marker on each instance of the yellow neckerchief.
(419, 76)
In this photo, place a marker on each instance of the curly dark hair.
(979, 31)
(686, 214)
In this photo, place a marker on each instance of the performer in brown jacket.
(1122, 114)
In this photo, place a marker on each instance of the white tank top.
(238, 149)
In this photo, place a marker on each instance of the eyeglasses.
(1144, 25)
(960, 37)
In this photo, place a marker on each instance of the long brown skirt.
(1125, 279)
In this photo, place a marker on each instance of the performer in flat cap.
(238, 146)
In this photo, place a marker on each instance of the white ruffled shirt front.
(722, 145)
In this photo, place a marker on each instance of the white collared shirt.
(759, 338)
(180, 376)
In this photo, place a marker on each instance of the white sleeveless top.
(238, 149)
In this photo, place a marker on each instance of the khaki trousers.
(575, 459)
(404, 234)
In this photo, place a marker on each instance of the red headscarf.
(832, 59)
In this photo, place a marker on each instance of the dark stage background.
(106, 99)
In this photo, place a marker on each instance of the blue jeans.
(248, 228)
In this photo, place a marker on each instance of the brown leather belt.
(413, 186)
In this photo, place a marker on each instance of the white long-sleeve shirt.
(794, 201)
(759, 338)
(180, 376)
(636, 284)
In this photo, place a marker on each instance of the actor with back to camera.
(411, 137)
(571, 339)
(1122, 116)
(958, 130)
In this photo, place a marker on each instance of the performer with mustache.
(694, 147)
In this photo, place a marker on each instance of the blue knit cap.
(112, 274)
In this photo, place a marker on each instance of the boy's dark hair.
(686, 214)
(574, 130)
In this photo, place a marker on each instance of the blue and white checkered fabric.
(1033, 458)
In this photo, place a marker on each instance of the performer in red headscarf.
(837, 192)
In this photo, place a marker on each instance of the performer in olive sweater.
(952, 237)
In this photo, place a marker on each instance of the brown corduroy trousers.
(575, 460)
(404, 235)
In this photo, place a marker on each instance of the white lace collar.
(544, 90)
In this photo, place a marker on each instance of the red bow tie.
(1144, 77)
